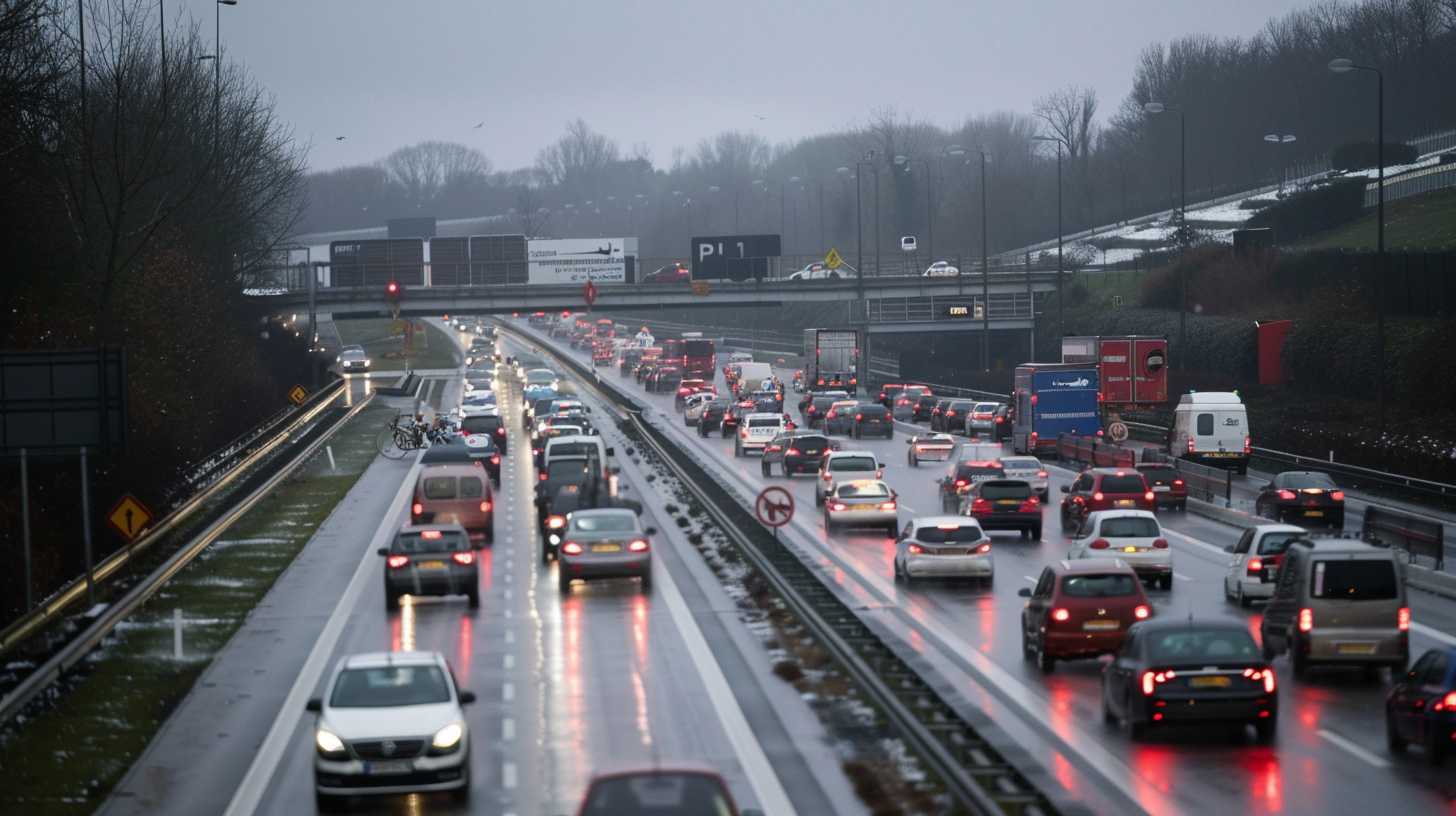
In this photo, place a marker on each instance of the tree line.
(1231, 92)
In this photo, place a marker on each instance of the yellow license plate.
(1008, 502)
(1101, 625)
(1216, 681)
(1125, 502)
(432, 565)
(859, 508)
(1356, 648)
(606, 548)
(1131, 549)
(1314, 513)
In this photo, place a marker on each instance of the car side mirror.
(314, 705)
(383, 551)
(1228, 548)
(650, 531)
(1066, 488)
(467, 697)
(1024, 592)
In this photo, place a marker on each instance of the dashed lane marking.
(1352, 749)
(508, 729)
(508, 692)
(508, 661)
(508, 775)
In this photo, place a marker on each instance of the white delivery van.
(750, 375)
(1211, 428)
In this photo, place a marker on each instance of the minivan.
(455, 494)
(1211, 428)
(1338, 601)
(576, 446)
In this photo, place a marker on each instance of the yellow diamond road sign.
(702, 288)
(297, 395)
(832, 260)
(129, 517)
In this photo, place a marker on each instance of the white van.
(576, 446)
(1211, 428)
(750, 374)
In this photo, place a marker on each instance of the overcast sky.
(666, 73)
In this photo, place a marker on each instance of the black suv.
(796, 452)
(924, 405)
(962, 475)
(873, 420)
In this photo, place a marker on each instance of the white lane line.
(508, 661)
(508, 692)
(1180, 576)
(508, 729)
(1353, 749)
(1436, 634)
(510, 636)
(1029, 578)
(265, 760)
(507, 593)
(508, 775)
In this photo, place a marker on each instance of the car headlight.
(329, 744)
(447, 739)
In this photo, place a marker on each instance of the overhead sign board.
(964, 311)
(578, 260)
(61, 401)
(734, 257)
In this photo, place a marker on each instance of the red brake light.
(1177, 482)
(889, 505)
(792, 452)
(950, 413)
(1100, 544)
(1141, 611)
(858, 417)
(637, 545)
(571, 548)
(464, 559)
(1248, 446)
(1098, 496)
(543, 477)
(1061, 615)
(485, 507)
(1160, 543)
(500, 431)
(1256, 566)
(430, 534)
(417, 508)
(397, 561)
(1190, 444)
(825, 475)
(960, 482)
(1448, 702)
(1402, 619)
(915, 549)
(836, 506)
(1031, 505)
(1338, 495)
(1041, 474)
(1306, 620)
(1287, 495)
(555, 522)
(495, 459)
(983, 549)
(980, 506)
(1148, 496)
(1149, 683)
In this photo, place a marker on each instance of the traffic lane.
(1074, 693)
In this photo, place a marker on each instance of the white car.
(941, 269)
(816, 271)
(1028, 469)
(390, 723)
(943, 547)
(1135, 536)
(757, 430)
(693, 407)
(353, 358)
(488, 409)
(840, 465)
(1255, 564)
(862, 503)
(933, 447)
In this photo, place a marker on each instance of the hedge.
(1362, 155)
(1312, 211)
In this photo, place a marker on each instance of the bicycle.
(397, 439)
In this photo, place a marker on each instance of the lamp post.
(905, 161)
(1344, 66)
(1061, 327)
(986, 275)
(1157, 108)
(1276, 139)
(216, 57)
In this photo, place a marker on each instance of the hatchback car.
(733, 416)
(1169, 489)
(486, 423)
(862, 503)
(839, 419)
(478, 449)
(604, 543)
(391, 723)
(1028, 469)
(710, 416)
(1133, 536)
(933, 447)
(943, 547)
(1421, 706)
(920, 412)
(873, 420)
(1306, 497)
(1183, 671)
(1004, 504)
(888, 393)
(455, 494)
(796, 452)
(845, 465)
(1104, 489)
(818, 407)
(1080, 609)
(1254, 568)
(903, 405)
(430, 559)
(962, 476)
(669, 790)
(981, 420)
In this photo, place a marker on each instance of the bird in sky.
(479, 125)
(340, 138)
(759, 118)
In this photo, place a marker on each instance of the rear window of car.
(824, 402)
(870, 490)
(568, 469)
(1278, 543)
(1363, 579)
(661, 794)
(604, 523)
(960, 405)
(985, 407)
(1163, 472)
(389, 686)
(572, 449)
(1107, 585)
(439, 488)
(1021, 463)
(763, 422)
(470, 487)
(927, 399)
(485, 423)
(431, 541)
(940, 535)
(1122, 484)
(817, 442)
(871, 411)
(1005, 490)
(965, 471)
(1129, 528)
(853, 464)
(1191, 644)
(1300, 481)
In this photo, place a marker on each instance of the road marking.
(507, 593)
(1180, 576)
(265, 760)
(508, 692)
(1353, 749)
(1029, 578)
(508, 661)
(1433, 633)
(508, 729)
(510, 636)
(508, 775)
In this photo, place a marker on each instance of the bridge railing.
(951, 308)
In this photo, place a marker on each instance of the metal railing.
(950, 308)
(1416, 182)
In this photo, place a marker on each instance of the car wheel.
(915, 463)
(892, 529)
(1435, 746)
(391, 601)
(1266, 647)
(1066, 522)
(1165, 582)
(563, 582)
(1264, 730)
(1036, 533)
(1108, 718)
(1298, 661)
(818, 499)
(1135, 730)
(1027, 652)
(1044, 661)
(828, 524)
(737, 450)
(1393, 740)
(1244, 600)
(474, 598)
(647, 582)
(325, 803)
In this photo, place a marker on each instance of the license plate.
(1161, 488)
(432, 565)
(1215, 681)
(1008, 503)
(1314, 513)
(858, 508)
(1131, 549)
(1100, 625)
(1356, 648)
(606, 548)
(1125, 502)
(392, 766)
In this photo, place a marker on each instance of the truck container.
(1051, 399)
(1133, 368)
(832, 359)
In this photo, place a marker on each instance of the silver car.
(862, 503)
(1254, 567)
(1028, 469)
(606, 542)
(389, 723)
(943, 547)
(353, 358)
(981, 419)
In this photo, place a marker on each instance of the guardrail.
(1405, 185)
(1093, 451)
(1416, 535)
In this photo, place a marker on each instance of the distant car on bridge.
(672, 273)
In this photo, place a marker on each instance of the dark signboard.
(498, 260)
(449, 261)
(733, 257)
(61, 401)
(377, 262)
(411, 228)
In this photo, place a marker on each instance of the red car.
(1080, 608)
(1104, 489)
(682, 789)
(674, 273)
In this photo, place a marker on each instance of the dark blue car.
(1421, 706)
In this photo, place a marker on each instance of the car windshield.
(1192, 644)
(604, 523)
(1021, 463)
(1360, 579)
(865, 490)
(425, 541)
(853, 464)
(1303, 481)
(1122, 484)
(1278, 543)
(1130, 527)
(1106, 585)
(764, 422)
(1005, 490)
(390, 686)
(657, 794)
(574, 469)
(948, 533)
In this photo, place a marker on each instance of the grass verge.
(66, 758)
(432, 348)
(1420, 222)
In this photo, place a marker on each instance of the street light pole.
(1061, 306)
(985, 275)
(1276, 139)
(1156, 108)
(1341, 66)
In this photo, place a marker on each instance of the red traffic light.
(392, 288)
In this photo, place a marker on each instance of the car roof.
(1107, 514)
(1347, 546)
(935, 437)
(1173, 622)
(1108, 471)
(1085, 565)
(763, 415)
(371, 660)
(930, 521)
(605, 511)
(846, 453)
(861, 483)
(1261, 529)
(449, 469)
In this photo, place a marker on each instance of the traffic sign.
(733, 257)
(702, 288)
(589, 293)
(961, 310)
(129, 517)
(832, 260)
(774, 506)
(297, 395)
(1117, 432)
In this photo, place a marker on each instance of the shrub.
(1312, 211)
(1362, 155)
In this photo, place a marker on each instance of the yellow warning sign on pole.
(832, 260)
(128, 517)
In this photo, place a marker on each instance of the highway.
(1329, 755)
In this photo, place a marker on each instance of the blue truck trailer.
(1051, 399)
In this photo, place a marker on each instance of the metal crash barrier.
(1414, 534)
(1094, 451)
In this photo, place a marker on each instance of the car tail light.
(980, 506)
(500, 431)
(858, 417)
(960, 482)
(1148, 496)
(882, 393)
(1306, 619)
(1177, 482)
(1041, 474)
(915, 549)
(571, 548)
(983, 549)
(543, 477)
(464, 559)
(1256, 566)
(1248, 446)
(1447, 703)
(1338, 495)
(417, 508)
(1160, 543)
(1141, 611)
(1288, 495)
(397, 561)
(1100, 544)
(1031, 505)
(812, 410)
(1033, 436)
(836, 506)
(792, 452)
(825, 475)
(950, 413)
(1149, 683)
(1269, 682)
(1000, 420)
(1402, 619)
(555, 522)
(889, 505)
(637, 545)
(1098, 496)
(431, 535)
(495, 459)
(743, 433)
(1190, 444)
(1061, 615)
(485, 507)
(683, 392)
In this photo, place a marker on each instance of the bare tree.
(427, 169)
(532, 218)
(575, 160)
(1070, 113)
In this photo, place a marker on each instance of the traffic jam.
(1036, 520)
